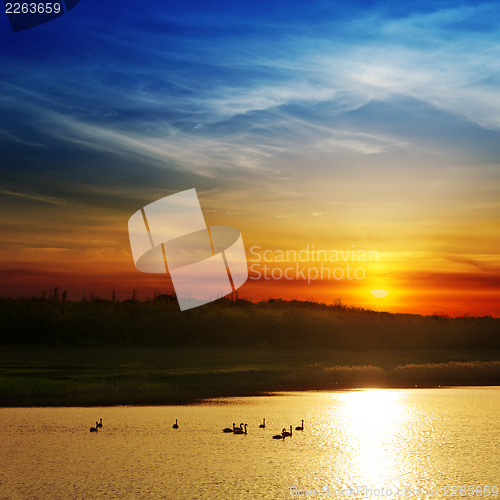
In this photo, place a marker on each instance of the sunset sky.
(365, 125)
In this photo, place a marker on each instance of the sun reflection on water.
(375, 425)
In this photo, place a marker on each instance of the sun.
(379, 294)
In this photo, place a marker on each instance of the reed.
(39, 388)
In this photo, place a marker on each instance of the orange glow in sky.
(367, 127)
(96, 260)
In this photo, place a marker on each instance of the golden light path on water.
(357, 432)
(370, 421)
(379, 441)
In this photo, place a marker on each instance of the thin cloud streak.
(33, 197)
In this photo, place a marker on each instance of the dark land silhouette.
(100, 352)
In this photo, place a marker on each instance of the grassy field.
(53, 376)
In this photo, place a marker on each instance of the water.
(416, 438)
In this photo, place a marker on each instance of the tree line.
(234, 322)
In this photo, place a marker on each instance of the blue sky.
(210, 88)
(320, 116)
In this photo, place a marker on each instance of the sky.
(335, 125)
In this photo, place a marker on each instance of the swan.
(175, 426)
(228, 429)
(94, 429)
(100, 423)
(286, 433)
(280, 436)
(300, 427)
(239, 430)
(263, 424)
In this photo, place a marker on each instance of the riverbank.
(55, 376)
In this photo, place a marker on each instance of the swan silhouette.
(175, 426)
(94, 429)
(300, 427)
(239, 430)
(286, 433)
(263, 424)
(228, 429)
(100, 423)
(280, 436)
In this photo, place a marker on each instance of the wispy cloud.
(243, 99)
(479, 264)
(33, 197)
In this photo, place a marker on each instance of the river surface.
(417, 443)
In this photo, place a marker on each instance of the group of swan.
(97, 425)
(242, 429)
(285, 433)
